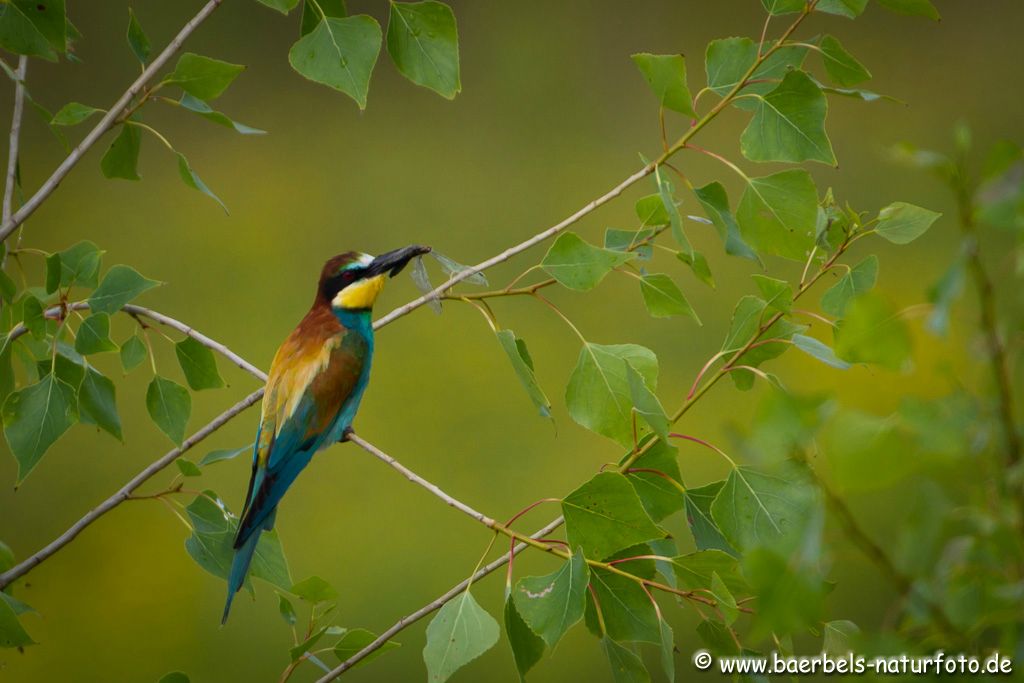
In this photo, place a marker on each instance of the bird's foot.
(345, 434)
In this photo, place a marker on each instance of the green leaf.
(756, 508)
(307, 645)
(211, 544)
(778, 294)
(706, 534)
(746, 319)
(859, 279)
(697, 571)
(659, 496)
(918, 8)
(726, 606)
(902, 223)
(626, 666)
(203, 109)
(699, 265)
(579, 265)
(646, 404)
(666, 74)
(188, 468)
(94, 335)
(133, 353)
(169, 405)
(282, 6)
(120, 285)
(628, 613)
(53, 271)
(651, 211)
(598, 395)
(97, 399)
(121, 159)
(461, 632)
(223, 454)
(35, 417)
(789, 124)
(203, 77)
(839, 637)
(778, 214)
(842, 67)
(269, 563)
(12, 633)
(192, 179)
(137, 39)
(33, 316)
(873, 332)
(668, 649)
(80, 265)
(311, 14)
(716, 204)
(728, 59)
(631, 240)
(663, 298)
(199, 365)
(19, 35)
(355, 639)
(789, 596)
(850, 9)
(339, 53)
(49, 18)
(784, 6)
(515, 349)
(819, 350)
(423, 41)
(550, 605)
(8, 288)
(72, 114)
(314, 590)
(605, 515)
(666, 192)
(527, 646)
(287, 610)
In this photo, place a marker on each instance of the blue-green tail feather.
(243, 558)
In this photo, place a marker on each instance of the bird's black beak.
(392, 262)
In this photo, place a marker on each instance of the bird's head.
(352, 281)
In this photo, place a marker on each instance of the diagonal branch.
(434, 605)
(11, 223)
(125, 491)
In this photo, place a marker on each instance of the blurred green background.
(552, 114)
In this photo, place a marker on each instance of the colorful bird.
(313, 391)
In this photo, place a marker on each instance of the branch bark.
(14, 140)
(11, 223)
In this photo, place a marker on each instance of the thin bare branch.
(10, 224)
(522, 246)
(155, 316)
(417, 479)
(434, 605)
(14, 140)
(125, 492)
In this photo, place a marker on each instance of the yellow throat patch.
(360, 294)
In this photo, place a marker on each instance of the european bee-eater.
(313, 391)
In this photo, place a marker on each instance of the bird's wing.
(308, 385)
